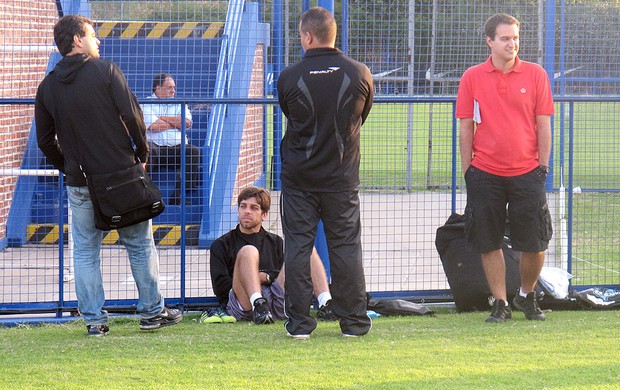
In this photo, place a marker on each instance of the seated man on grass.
(247, 268)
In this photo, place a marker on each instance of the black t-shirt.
(224, 254)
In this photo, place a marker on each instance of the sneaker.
(227, 318)
(529, 305)
(326, 312)
(167, 317)
(210, 316)
(216, 315)
(349, 335)
(262, 315)
(97, 330)
(298, 336)
(500, 312)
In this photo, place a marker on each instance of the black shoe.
(500, 312)
(262, 315)
(326, 312)
(97, 330)
(167, 317)
(529, 305)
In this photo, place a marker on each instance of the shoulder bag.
(124, 198)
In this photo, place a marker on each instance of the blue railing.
(181, 298)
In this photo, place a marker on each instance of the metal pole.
(345, 26)
(410, 92)
(562, 197)
(287, 34)
(278, 66)
(541, 31)
(429, 159)
(549, 66)
(327, 4)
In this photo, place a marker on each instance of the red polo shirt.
(505, 140)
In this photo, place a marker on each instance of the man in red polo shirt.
(505, 107)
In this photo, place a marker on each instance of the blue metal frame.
(61, 306)
(225, 99)
(571, 151)
(549, 66)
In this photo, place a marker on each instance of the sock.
(323, 298)
(524, 295)
(254, 297)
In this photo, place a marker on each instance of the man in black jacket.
(326, 98)
(246, 266)
(85, 115)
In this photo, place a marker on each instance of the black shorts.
(527, 213)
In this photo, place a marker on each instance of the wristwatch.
(268, 277)
(545, 168)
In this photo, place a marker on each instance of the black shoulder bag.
(124, 198)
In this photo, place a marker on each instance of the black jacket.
(326, 98)
(87, 104)
(224, 254)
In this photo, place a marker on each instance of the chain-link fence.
(225, 57)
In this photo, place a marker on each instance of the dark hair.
(262, 197)
(490, 26)
(320, 23)
(66, 28)
(159, 79)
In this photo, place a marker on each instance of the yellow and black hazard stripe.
(163, 235)
(155, 30)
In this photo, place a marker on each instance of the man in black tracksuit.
(85, 114)
(326, 98)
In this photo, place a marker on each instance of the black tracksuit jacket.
(326, 98)
(84, 112)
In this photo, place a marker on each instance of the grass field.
(571, 350)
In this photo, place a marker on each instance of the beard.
(249, 224)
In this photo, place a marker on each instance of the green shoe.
(227, 319)
(210, 316)
(216, 315)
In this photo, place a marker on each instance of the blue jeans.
(143, 258)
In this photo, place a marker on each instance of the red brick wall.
(251, 151)
(25, 36)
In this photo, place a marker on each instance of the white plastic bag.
(556, 281)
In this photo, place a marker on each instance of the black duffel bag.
(463, 267)
(124, 198)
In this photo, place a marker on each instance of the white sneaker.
(298, 336)
(349, 335)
